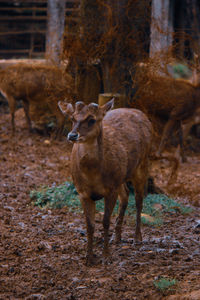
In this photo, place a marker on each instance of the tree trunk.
(161, 26)
(55, 29)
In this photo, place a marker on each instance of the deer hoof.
(90, 260)
(138, 237)
(118, 239)
(184, 159)
(106, 260)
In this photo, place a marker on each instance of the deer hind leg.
(109, 204)
(26, 110)
(186, 128)
(89, 211)
(168, 130)
(123, 198)
(182, 144)
(139, 184)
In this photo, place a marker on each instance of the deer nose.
(72, 136)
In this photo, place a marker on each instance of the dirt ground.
(42, 252)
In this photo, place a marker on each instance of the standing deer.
(110, 149)
(176, 102)
(180, 117)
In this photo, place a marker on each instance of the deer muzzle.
(72, 136)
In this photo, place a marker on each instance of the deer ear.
(93, 107)
(79, 105)
(66, 108)
(108, 106)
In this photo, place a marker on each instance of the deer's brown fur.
(175, 101)
(35, 84)
(110, 149)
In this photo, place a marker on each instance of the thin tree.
(55, 29)
(161, 26)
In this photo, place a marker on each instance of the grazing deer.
(110, 149)
(35, 85)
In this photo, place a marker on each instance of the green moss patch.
(165, 285)
(154, 206)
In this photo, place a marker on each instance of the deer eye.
(91, 122)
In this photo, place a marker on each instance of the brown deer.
(110, 149)
(35, 84)
(173, 101)
(180, 116)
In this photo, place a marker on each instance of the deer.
(35, 85)
(110, 149)
(180, 118)
(176, 102)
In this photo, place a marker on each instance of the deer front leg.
(26, 110)
(12, 107)
(89, 211)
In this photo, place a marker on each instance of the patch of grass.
(66, 195)
(56, 196)
(165, 285)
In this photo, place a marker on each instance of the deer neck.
(91, 154)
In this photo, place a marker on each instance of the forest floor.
(42, 251)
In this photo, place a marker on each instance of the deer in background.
(176, 102)
(181, 117)
(111, 148)
(35, 84)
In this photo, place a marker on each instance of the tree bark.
(55, 29)
(161, 26)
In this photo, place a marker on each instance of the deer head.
(86, 119)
